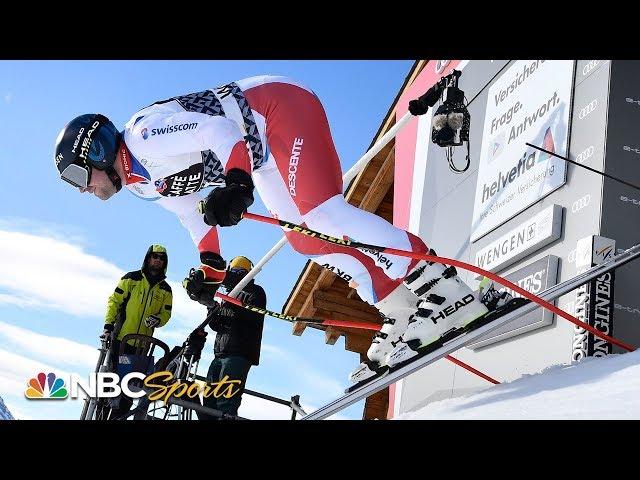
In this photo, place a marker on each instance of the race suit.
(275, 129)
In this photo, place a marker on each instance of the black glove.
(203, 288)
(221, 316)
(152, 321)
(198, 290)
(424, 102)
(195, 343)
(108, 328)
(225, 206)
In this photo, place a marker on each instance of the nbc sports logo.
(46, 387)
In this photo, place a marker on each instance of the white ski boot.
(396, 309)
(447, 304)
(491, 296)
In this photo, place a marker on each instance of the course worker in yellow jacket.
(142, 299)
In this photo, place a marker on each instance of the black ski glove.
(222, 316)
(107, 329)
(195, 343)
(202, 284)
(225, 206)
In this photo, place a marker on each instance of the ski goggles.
(77, 175)
(238, 271)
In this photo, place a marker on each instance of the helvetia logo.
(548, 145)
(46, 387)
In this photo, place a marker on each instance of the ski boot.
(446, 306)
(491, 296)
(395, 309)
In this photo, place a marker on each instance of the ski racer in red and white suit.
(269, 133)
(178, 146)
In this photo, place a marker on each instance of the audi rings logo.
(588, 68)
(581, 203)
(441, 65)
(631, 100)
(584, 155)
(587, 109)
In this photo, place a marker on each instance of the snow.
(5, 414)
(596, 388)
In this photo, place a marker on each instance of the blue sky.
(61, 253)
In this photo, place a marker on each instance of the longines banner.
(530, 102)
(595, 300)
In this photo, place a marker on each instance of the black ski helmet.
(86, 142)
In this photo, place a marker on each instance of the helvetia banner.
(530, 102)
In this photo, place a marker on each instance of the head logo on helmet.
(86, 142)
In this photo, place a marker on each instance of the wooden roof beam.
(358, 343)
(298, 328)
(325, 279)
(380, 185)
(331, 335)
(343, 307)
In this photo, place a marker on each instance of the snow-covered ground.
(596, 388)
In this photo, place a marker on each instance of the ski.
(447, 345)
(423, 350)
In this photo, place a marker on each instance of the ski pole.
(346, 180)
(624, 182)
(347, 242)
(343, 323)
(290, 318)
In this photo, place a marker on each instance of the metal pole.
(89, 400)
(253, 393)
(186, 405)
(346, 180)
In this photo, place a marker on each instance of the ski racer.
(270, 134)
